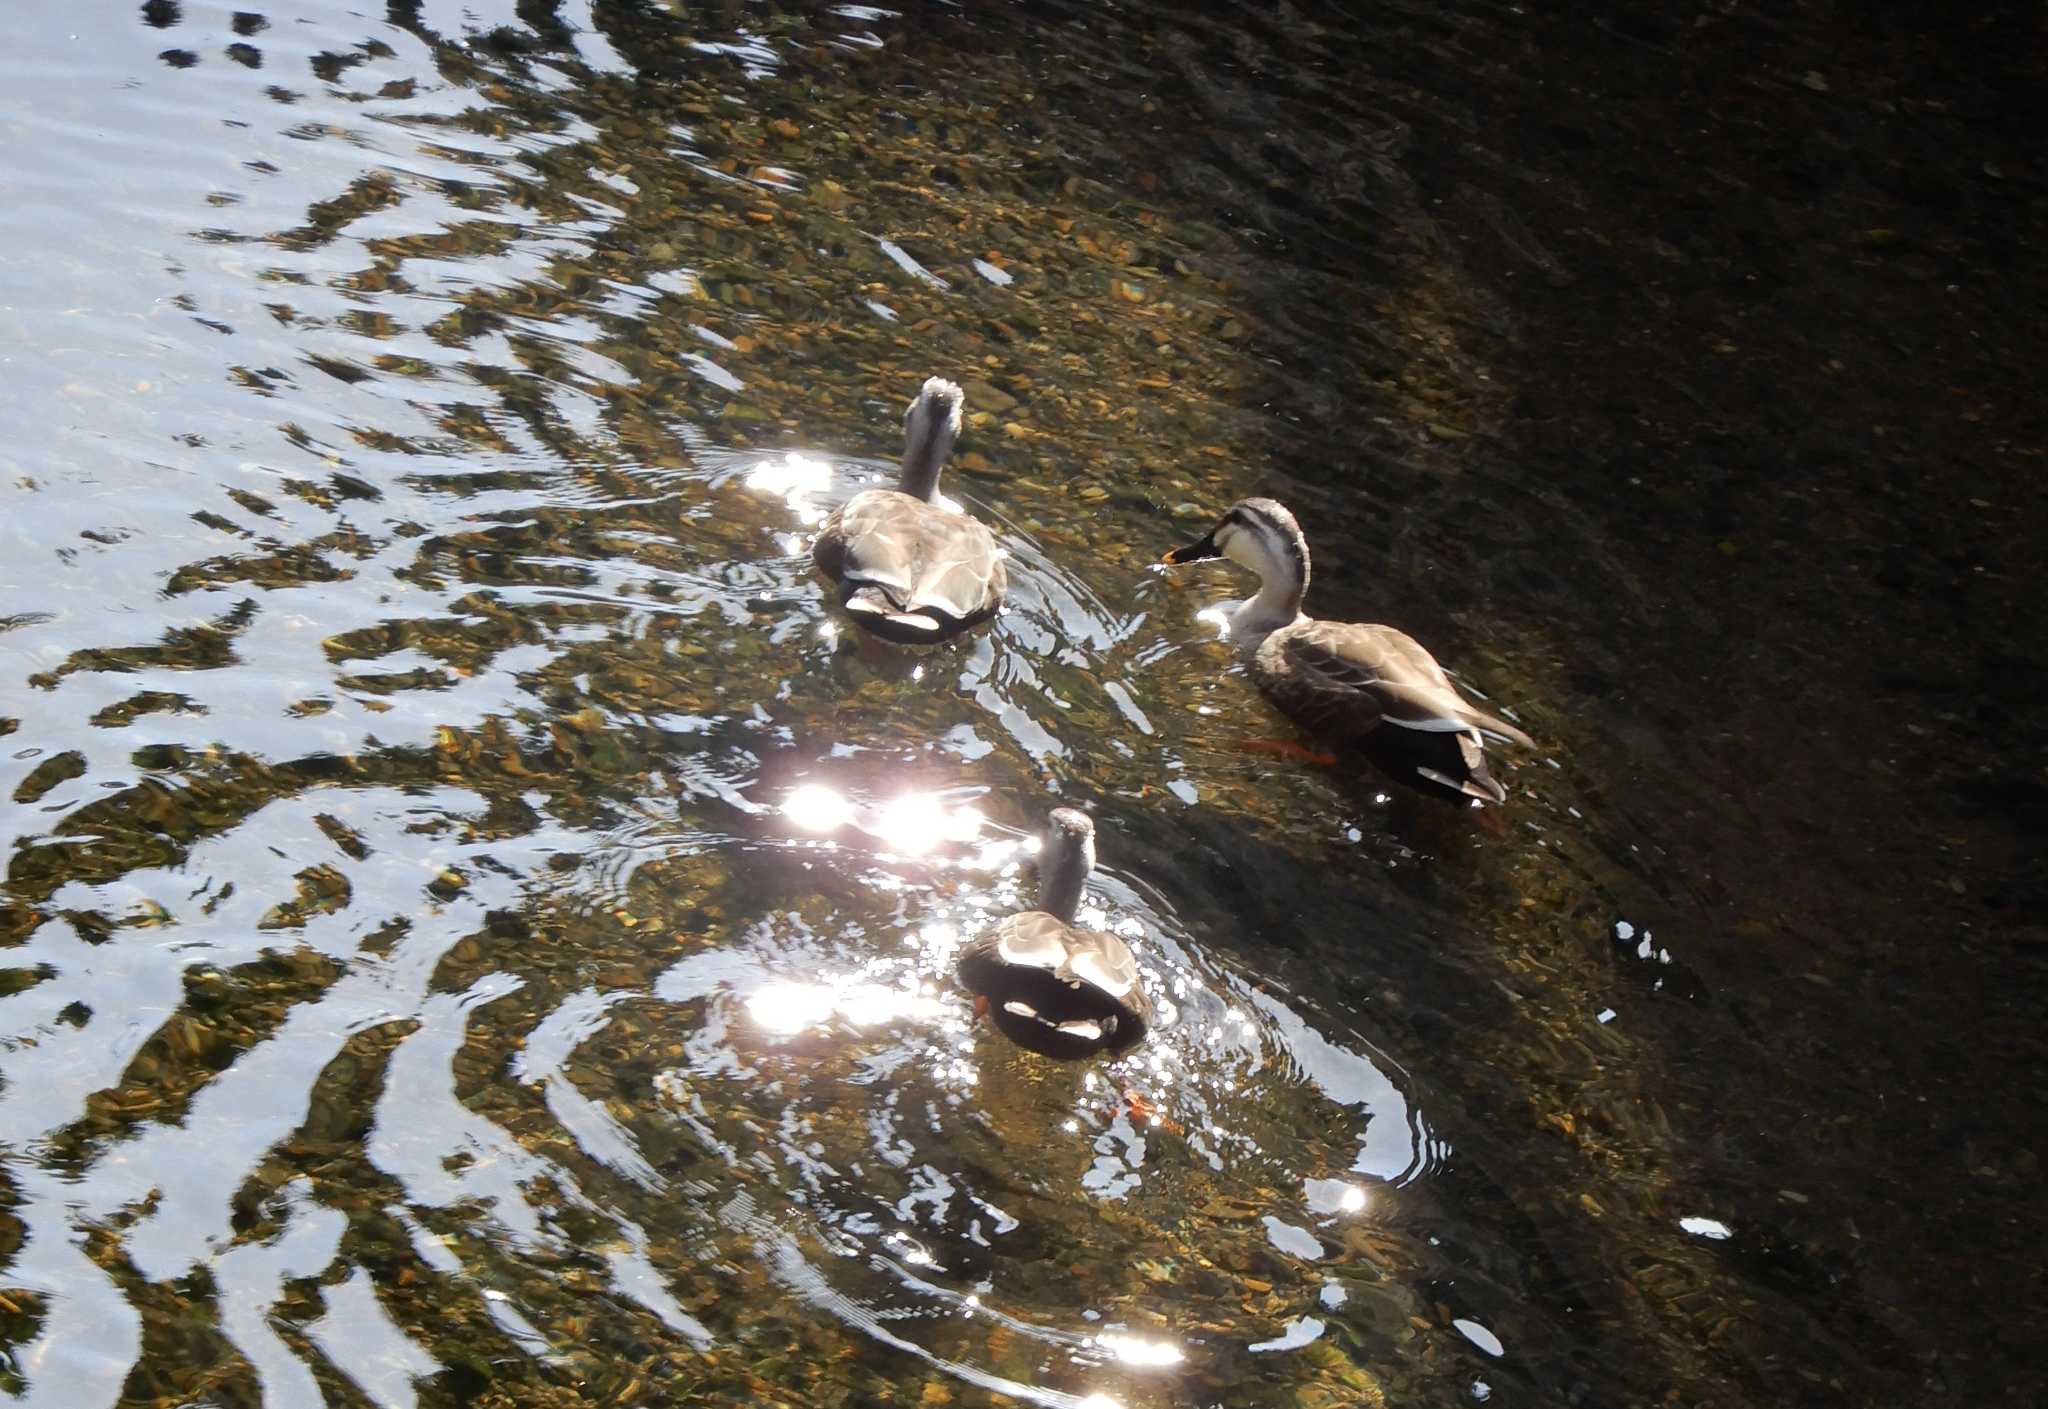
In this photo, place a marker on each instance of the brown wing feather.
(1056, 989)
(919, 554)
(1405, 659)
(1074, 954)
(828, 549)
(1341, 679)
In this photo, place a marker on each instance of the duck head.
(1066, 854)
(1259, 534)
(1262, 535)
(931, 423)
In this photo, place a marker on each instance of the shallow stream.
(477, 931)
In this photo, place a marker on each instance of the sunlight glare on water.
(790, 1007)
(1135, 1350)
(908, 824)
(815, 807)
(797, 478)
(914, 823)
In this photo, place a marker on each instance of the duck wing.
(1107, 963)
(1056, 989)
(1035, 939)
(926, 569)
(1344, 679)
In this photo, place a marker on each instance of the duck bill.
(1203, 547)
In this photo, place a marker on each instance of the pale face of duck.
(1267, 547)
(1259, 534)
(1262, 535)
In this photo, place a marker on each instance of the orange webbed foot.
(1143, 1112)
(1288, 749)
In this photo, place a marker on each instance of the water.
(479, 932)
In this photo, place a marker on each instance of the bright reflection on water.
(1133, 1350)
(915, 823)
(909, 824)
(798, 479)
(817, 808)
(1216, 616)
(792, 1007)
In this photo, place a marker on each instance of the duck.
(1047, 984)
(1369, 690)
(908, 569)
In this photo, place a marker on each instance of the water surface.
(478, 931)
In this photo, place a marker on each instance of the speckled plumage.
(1054, 987)
(908, 569)
(1364, 688)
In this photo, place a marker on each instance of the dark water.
(476, 934)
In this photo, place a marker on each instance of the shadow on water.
(478, 931)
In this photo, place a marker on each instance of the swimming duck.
(1343, 681)
(908, 570)
(1048, 985)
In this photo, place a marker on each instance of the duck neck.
(930, 440)
(1277, 604)
(1063, 867)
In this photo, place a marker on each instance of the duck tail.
(1498, 729)
(880, 613)
(1477, 782)
(1120, 1034)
